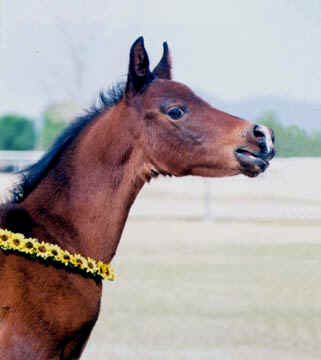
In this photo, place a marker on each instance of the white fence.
(18, 159)
(288, 191)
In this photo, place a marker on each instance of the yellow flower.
(42, 250)
(17, 242)
(10, 240)
(29, 246)
(73, 260)
(66, 257)
(55, 252)
(5, 238)
(79, 261)
(102, 269)
(91, 266)
(110, 273)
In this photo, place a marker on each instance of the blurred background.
(207, 268)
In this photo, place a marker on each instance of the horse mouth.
(252, 164)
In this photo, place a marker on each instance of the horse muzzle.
(255, 162)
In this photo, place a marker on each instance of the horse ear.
(164, 68)
(138, 72)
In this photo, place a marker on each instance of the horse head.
(182, 134)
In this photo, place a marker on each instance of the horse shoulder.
(44, 307)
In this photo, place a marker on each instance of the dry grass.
(212, 291)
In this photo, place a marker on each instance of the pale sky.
(230, 49)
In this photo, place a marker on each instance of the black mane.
(32, 175)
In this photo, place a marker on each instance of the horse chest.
(46, 305)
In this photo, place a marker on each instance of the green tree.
(291, 140)
(55, 118)
(51, 129)
(17, 133)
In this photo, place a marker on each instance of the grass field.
(245, 286)
(192, 290)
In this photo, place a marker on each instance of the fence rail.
(16, 160)
(289, 191)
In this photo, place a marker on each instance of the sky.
(57, 50)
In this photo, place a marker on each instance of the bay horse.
(79, 194)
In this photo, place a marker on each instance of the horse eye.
(176, 113)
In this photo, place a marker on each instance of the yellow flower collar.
(50, 253)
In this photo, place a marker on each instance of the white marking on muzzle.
(268, 137)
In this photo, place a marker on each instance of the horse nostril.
(264, 139)
(258, 133)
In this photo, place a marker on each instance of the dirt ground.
(243, 285)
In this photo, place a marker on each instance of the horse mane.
(33, 174)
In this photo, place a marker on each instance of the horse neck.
(83, 203)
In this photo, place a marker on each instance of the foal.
(79, 194)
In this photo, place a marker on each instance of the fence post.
(208, 216)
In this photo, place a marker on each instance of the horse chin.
(251, 164)
(214, 172)
(250, 173)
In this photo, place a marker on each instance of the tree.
(291, 140)
(55, 119)
(17, 133)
